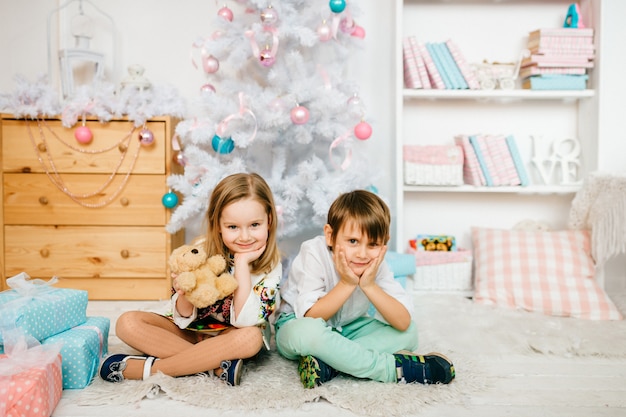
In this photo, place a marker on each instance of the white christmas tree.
(276, 102)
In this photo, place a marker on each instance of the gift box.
(443, 271)
(83, 347)
(433, 164)
(34, 391)
(40, 309)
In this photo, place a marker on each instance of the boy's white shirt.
(312, 275)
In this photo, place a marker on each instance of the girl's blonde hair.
(233, 188)
(366, 209)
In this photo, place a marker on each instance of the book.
(556, 61)
(517, 160)
(421, 65)
(588, 51)
(504, 167)
(482, 155)
(530, 71)
(438, 60)
(411, 75)
(555, 82)
(468, 74)
(561, 32)
(472, 173)
(433, 74)
(452, 68)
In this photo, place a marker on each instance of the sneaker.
(433, 368)
(113, 366)
(231, 371)
(314, 371)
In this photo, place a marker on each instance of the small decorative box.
(34, 392)
(83, 347)
(443, 271)
(42, 312)
(433, 164)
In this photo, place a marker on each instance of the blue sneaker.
(113, 366)
(231, 371)
(433, 368)
(314, 371)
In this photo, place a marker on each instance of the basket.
(433, 165)
(443, 271)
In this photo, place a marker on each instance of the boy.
(323, 318)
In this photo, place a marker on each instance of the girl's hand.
(369, 275)
(346, 275)
(249, 257)
(183, 306)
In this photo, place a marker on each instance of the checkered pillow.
(548, 272)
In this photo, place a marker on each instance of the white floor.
(517, 385)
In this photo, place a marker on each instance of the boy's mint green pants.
(363, 348)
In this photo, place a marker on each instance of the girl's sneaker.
(433, 368)
(231, 371)
(314, 371)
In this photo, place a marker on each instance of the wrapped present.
(401, 264)
(83, 347)
(30, 381)
(433, 164)
(40, 309)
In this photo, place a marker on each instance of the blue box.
(402, 264)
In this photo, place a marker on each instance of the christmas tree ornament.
(146, 137)
(222, 145)
(169, 200)
(267, 57)
(207, 88)
(347, 25)
(179, 158)
(337, 6)
(363, 131)
(299, 115)
(83, 135)
(226, 13)
(324, 32)
(269, 16)
(355, 106)
(210, 64)
(358, 32)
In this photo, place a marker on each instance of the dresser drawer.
(33, 199)
(86, 252)
(26, 145)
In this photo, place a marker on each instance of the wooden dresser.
(88, 214)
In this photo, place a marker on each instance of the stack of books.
(492, 160)
(438, 65)
(559, 59)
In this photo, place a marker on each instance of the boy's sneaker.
(433, 368)
(231, 371)
(314, 371)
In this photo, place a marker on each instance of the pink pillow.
(547, 272)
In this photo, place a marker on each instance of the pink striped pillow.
(548, 272)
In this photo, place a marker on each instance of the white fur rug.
(466, 332)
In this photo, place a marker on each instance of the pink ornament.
(266, 57)
(179, 158)
(226, 13)
(146, 137)
(347, 25)
(363, 131)
(359, 32)
(269, 16)
(83, 135)
(299, 115)
(210, 64)
(324, 32)
(207, 88)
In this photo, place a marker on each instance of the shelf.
(530, 190)
(409, 94)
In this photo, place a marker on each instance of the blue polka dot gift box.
(39, 309)
(83, 348)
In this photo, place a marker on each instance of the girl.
(241, 226)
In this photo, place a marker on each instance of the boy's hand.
(345, 273)
(369, 275)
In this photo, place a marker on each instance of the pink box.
(34, 392)
(433, 164)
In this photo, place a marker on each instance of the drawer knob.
(43, 200)
(44, 253)
(41, 147)
(124, 201)
(124, 253)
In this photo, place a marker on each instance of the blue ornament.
(222, 146)
(337, 6)
(372, 188)
(169, 200)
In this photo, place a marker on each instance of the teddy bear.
(203, 278)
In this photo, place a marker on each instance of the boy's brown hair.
(366, 209)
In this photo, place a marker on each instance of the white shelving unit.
(496, 31)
